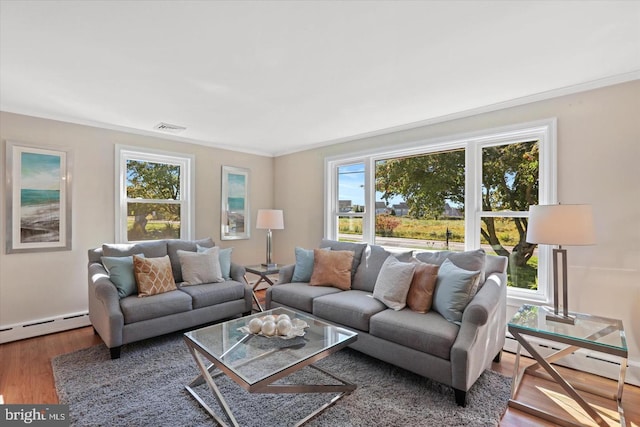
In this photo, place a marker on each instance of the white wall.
(598, 163)
(40, 286)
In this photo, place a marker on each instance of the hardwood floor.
(26, 377)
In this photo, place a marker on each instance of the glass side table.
(264, 272)
(589, 332)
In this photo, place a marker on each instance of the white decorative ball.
(255, 325)
(284, 327)
(268, 318)
(282, 316)
(268, 328)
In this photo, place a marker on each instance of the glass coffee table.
(589, 332)
(256, 362)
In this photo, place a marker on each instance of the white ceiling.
(272, 77)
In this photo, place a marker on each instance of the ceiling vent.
(166, 127)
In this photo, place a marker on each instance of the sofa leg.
(461, 397)
(115, 352)
(498, 357)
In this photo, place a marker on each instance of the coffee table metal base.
(343, 389)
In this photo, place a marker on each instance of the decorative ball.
(282, 316)
(284, 327)
(268, 318)
(268, 328)
(255, 325)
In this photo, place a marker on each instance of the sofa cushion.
(299, 295)
(352, 309)
(137, 309)
(332, 268)
(153, 275)
(209, 294)
(469, 260)
(429, 332)
(175, 245)
(393, 283)
(356, 248)
(152, 249)
(455, 287)
(423, 285)
(372, 259)
(198, 268)
(120, 271)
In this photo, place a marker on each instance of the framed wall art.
(235, 215)
(38, 198)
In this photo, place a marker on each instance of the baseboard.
(36, 328)
(593, 362)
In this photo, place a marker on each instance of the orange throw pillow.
(332, 268)
(153, 275)
(422, 286)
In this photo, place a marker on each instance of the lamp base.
(569, 320)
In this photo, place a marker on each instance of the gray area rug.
(145, 387)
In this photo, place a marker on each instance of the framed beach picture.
(38, 192)
(235, 213)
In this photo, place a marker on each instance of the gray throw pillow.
(455, 288)
(392, 284)
(224, 256)
(198, 268)
(120, 271)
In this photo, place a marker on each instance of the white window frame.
(544, 131)
(187, 187)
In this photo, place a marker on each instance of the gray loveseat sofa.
(124, 319)
(453, 353)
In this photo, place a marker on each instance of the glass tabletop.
(255, 357)
(263, 269)
(591, 330)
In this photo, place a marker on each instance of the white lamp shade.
(561, 225)
(271, 219)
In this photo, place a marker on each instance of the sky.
(351, 185)
(40, 171)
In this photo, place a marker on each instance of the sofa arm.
(482, 332)
(237, 273)
(286, 273)
(104, 306)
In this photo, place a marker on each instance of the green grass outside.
(427, 229)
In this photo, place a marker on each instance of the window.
(154, 195)
(457, 193)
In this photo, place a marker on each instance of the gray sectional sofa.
(453, 353)
(122, 319)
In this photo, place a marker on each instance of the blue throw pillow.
(120, 271)
(304, 265)
(225, 260)
(455, 287)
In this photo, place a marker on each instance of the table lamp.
(269, 219)
(570, 225)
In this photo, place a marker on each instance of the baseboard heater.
(583, 360)
(39, 327)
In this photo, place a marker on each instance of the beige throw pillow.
(153, 275)
(423, 284)
(198, 268)
(393, 283)
(332, 268)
